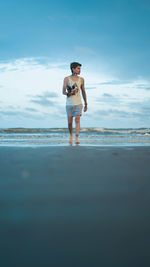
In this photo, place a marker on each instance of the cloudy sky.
(39, 39)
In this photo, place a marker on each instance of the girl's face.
(77, 70)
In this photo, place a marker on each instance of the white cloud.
(25, 77)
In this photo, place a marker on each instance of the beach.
(74, 206)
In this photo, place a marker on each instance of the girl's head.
(75, 67)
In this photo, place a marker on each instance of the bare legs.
(70, 122)
(77, 120)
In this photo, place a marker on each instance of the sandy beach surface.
(74, 206)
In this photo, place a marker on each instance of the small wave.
(98, 130)
(32, 130)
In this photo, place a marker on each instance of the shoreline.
(74, 145)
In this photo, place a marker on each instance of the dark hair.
(74, 65)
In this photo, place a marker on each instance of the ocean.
(88, 136)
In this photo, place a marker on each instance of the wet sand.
(74, 206)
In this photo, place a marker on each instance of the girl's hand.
(85, 108)
(69, 94)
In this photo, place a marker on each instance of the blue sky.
(39, 39)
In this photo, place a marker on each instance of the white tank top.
(74, 99)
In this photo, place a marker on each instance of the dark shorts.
(75, 110)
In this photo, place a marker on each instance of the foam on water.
(88, 136)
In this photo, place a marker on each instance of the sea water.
(87, 136)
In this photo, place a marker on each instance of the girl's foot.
(77, 141)
(71, 140)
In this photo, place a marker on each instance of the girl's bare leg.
(77, 120)
(70, 121)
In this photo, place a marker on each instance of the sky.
(38, 41)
